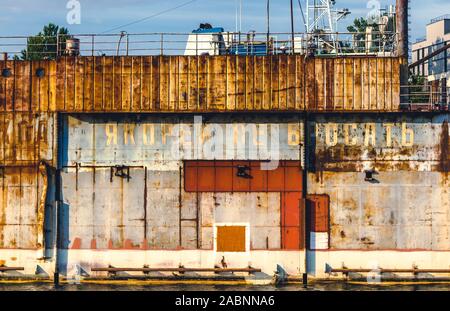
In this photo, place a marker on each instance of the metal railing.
(440, 18)
(424, 98)
(253, 43)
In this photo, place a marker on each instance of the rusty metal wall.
(26, 138)
(404, 206)
(391, 142)
(407, 203)
(181, 84)
(151, 208)
(26, 153)
(408, 153)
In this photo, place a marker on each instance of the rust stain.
(24, 137)
(3, 211)
(367, 241)
(444, 146)
(43, 170)
(319, 206)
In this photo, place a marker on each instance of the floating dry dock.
(107, 167)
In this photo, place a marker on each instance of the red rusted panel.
(291, 208)
(276, 179)
(224, 176)
(319, 206)
(190, 176)
(259, 178)
(205, 176)
(292, 221)
(291, 238)
(293, 178)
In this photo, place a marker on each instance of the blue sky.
(25, 17)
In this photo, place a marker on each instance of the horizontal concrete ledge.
(180, 270)
(415, 271)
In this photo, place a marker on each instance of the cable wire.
(151, 16)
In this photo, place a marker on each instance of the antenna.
(236, 16)
(240, 17)
(292, 26)
(322, 22)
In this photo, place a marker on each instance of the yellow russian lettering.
(128, 132)
(293, 134)
(347, 129)
(388, 127)
(407, 142)
(370, 135)
(148, 134)
(331, 139)
(111, 134)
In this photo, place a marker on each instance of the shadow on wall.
(50, 218)
(311, 262)
(63, 249)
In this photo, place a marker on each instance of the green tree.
(47, 44)
(418, 90)
(359, 28)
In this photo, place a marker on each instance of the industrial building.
(436, 69)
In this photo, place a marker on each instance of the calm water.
(313, 287)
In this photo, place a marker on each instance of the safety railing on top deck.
(224, 43)
(425, 98)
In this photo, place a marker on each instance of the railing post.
(196, 44)
(57, 45)
(162, 44)
(336, 42)
(128, 43)
(27, 55)
(93, 45)
(239, 43)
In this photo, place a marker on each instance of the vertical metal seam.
(180, 241)
(145, 205)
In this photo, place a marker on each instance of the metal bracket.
(216, 267)
(181, 267)
(120, 171)
(369, 176)
(346, 274)
(243, 171)
(250, 270)
(111, 273)
(415, 267)
(146, 267)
